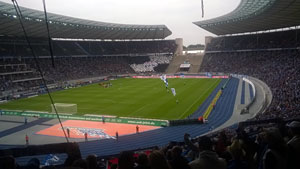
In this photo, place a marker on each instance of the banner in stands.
(185, 76)
(149, 122)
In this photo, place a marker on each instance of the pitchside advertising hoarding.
(126, 120)
(180, 76)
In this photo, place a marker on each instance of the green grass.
(143, 98)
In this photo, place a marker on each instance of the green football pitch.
(142, 98)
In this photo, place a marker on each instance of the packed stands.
(284, 39)
(151, 64)
(18, 47)
(76, 60)
(279, 68)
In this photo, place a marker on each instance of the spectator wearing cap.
(294, 144)
(207, 157)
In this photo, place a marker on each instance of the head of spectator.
(114, 166)
(169, 154)
(273, 138)
(49, 167)
(294, 128)
(176, 152)
(207, 158)
(71, 159)
(236, 150)
(275, 154)
(205, 143)
(7, 162)
(178, 161)
(92, 161)
(142, 161)
(33, 163)
(126, 160)
(157, 160)
(80, 163)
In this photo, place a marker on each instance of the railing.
(245, 110)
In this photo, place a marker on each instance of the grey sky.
(177, 15)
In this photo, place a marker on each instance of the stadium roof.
(73, 28)
(255, 15)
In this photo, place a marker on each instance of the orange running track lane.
(93, 129)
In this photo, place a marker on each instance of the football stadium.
(87, 94)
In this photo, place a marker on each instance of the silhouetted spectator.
(92, 161)
(7, 162)
(126, 160)
(238, 155)
(142, 162)
(157, 160)
(177, 161)
(207, 158)
(33, 163)
(275, 154)
(80, 163)
(294, 145)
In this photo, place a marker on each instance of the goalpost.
(64, 108)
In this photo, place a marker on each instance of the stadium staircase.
(175, 64)
(251, 92)
(195, 61)
(160, 137)
(83, 50)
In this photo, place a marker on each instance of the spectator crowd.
(256, 146)
(149, 66)
(275, 61)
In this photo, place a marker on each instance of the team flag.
(164, 79)
(50, 158)
(173, 91)
(208, 74)
(166, 82)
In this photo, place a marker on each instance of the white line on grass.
(138, 109)
(197, 100)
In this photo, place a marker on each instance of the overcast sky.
(177, 15)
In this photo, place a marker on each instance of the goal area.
(64, 108)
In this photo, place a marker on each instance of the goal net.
(64, 108)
